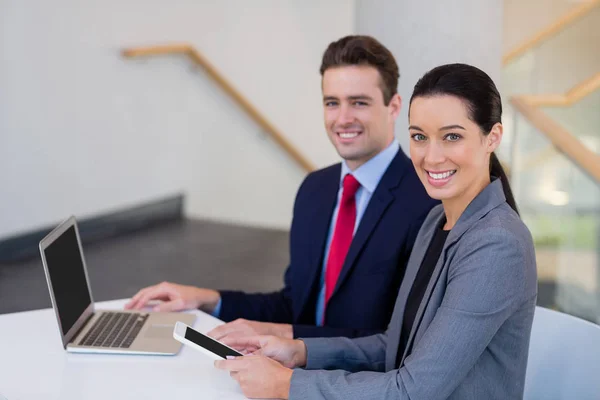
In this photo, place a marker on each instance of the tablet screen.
(209, 344)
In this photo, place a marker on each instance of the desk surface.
(33, 365)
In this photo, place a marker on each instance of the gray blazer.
(470, 337)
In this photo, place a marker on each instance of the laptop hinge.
(88, 319)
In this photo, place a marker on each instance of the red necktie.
(342, 235)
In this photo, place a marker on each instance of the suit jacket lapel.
(432, 283)
(491, 197)
(415, 261)
(319, 223)
(376, 208)
(380, 201)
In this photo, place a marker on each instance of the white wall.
(427, 33)
(84, 131)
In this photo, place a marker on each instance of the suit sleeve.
(310, 331)
(366, 353)
(265, 307)
(486, 284)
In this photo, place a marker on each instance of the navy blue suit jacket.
(363, 300)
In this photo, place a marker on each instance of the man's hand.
(290, 353)
(243, 328)
(258, 376)
(175, 298)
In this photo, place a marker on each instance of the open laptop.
(87, 330)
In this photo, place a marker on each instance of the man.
(354, 223)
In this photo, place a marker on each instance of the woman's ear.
(495, 137)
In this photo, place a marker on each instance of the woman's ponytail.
(497, 171)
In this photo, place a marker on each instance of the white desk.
(34, 365)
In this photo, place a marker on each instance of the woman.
(463, 315)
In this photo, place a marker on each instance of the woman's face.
(448, 150)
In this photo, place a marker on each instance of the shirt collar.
(369, 174)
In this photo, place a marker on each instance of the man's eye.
(418, 137)
(360, 103)
(330, 104)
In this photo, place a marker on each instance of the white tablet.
(207, 345)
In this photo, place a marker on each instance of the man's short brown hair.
(364, 50)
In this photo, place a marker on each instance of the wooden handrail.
(564, 100)
(551, 30)
(539, 157)
(244, 103)
(562, 139)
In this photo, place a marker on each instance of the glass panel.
(518, 76)
(570, 57)
(561, 206)
(582, 119)
(559, 63)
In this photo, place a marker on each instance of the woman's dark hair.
(480, 95)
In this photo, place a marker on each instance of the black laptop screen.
(65, 266)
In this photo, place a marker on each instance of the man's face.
(357, 121)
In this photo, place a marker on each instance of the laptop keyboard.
(114, 329)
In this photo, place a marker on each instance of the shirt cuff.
(217, 309)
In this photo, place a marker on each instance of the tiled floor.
(194, 252)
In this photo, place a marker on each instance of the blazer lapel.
(380, 201)
(415, 261)
(376, 208)
(319, 223)
(432, 283)
(491, 197)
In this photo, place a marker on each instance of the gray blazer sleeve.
(485, 285)
(360, 354)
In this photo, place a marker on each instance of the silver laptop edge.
(161, 343)
(89, 311)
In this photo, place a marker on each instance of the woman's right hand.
(289, 352)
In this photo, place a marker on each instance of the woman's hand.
(290, 353)
(258, 376)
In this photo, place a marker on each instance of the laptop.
(84, 329)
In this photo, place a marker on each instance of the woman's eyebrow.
(443, 128)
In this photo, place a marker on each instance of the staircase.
(551, 87)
